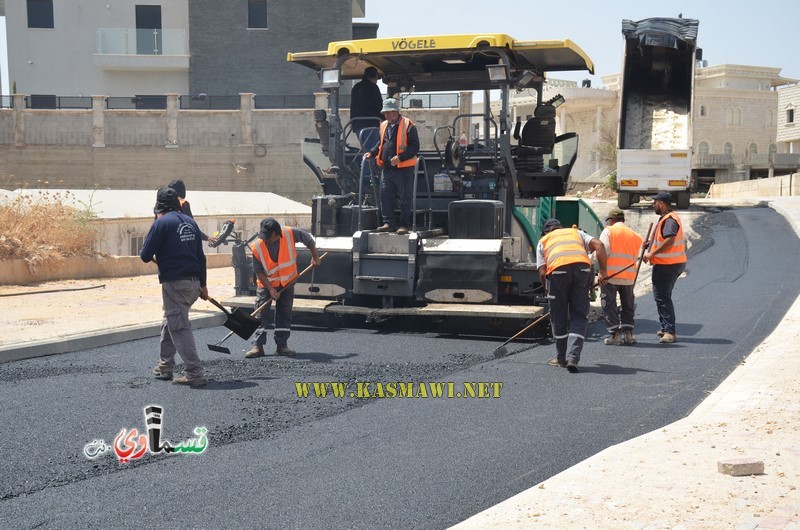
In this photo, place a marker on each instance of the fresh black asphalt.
(278, 461)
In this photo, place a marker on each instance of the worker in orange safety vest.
(275, 265)
(667, 255)
(562, 257)
(396, 154)
(622, 247)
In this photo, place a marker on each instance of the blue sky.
(761, 33)
(752, 33)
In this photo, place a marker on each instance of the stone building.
(212, 47)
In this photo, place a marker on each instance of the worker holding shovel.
(562, 257)
(275, 266)
(622, 248)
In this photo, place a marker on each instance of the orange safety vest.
(624, 246)
(403, 125)
(285, 269)
(675, 253)
(563, 246)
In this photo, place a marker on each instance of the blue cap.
(662, 196)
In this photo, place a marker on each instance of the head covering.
(390, 105)
(178, 186)
(663, 196)
(370, 72)
(166, 201)
(551, 225)
(616, 213)
(269, 226)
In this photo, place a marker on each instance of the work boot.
(629, 338)
(668, 338)
(402, 231)
(255, 351)
(572, 367)
(613, 340)
(162, 372)
(285, 351)
(191, 381)
(555, 362)
(385, 228)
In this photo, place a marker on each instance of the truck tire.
(682, 202)
(624, 200)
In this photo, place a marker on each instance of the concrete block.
(738, 467)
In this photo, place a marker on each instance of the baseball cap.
(551, 225)
(166, 201)
(390, 105)
(270, 226)
(662, 196)
(616, 213)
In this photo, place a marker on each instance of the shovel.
(222, 349)
(238, 321)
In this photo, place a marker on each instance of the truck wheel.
(683, 200)
(624, 200)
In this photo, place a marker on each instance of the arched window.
(773, 149)
(737, 116)
(728, 149)
(752, 149)
(703, 148)
(729, 116)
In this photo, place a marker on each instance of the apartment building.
(788, 138)
(213, 47)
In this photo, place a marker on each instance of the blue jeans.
(664, 278)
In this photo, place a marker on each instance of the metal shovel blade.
(241, 323)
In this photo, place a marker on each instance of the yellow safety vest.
(285, 269)
(675, 253)
(563, 246)
(624, 246)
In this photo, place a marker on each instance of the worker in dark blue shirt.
(174, 244)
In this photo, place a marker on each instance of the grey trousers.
(618, 318)
(283, 316)
(176, 330)
(568, 292)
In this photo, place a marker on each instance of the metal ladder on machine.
(385, 264)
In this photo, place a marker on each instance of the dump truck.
(478, 207)
(654, 140)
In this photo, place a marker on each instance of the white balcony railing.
(132, 41)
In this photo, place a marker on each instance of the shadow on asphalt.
(318, 357)
(612, 369)
(226, 385)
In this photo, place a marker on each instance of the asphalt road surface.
(277, 460)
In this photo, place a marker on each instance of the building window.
(728, 148)
(257, 14)
(729, 116)
(703, 148)
(752, 149)
(40, 14)
(137, 242)
(702, 110)
(737, 116)
(770, 119)
(789, 115)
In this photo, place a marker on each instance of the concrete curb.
(96, 339)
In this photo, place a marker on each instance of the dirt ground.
(31, 314)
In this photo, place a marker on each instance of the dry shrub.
(43, 227)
